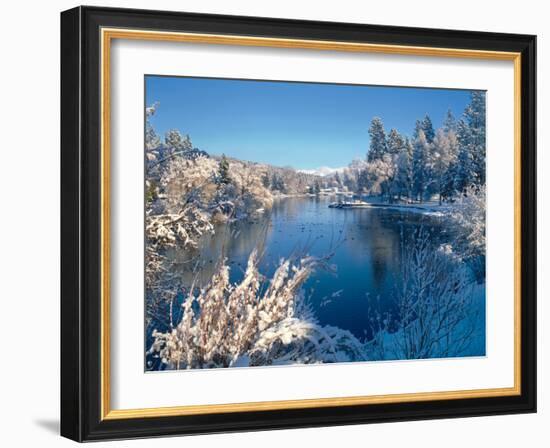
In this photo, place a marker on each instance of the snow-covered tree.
(449, 124)
(396, 142)
(403, 180)
(421, 157)
(152, 140)
(428, 128)
(152, 152)
(465, 172)
(443, 154)
(474, 116)
(180, 216)
(434, 298)
(184, 228)
(472, 144)
(379, 176)
(350, 180)
(223, 170)
(378, 145)
(175, 141)
(248, 194)
(470, 215)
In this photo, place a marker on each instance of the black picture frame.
(81, 224)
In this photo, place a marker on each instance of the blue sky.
(303, 125)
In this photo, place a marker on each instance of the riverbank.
(364, 248)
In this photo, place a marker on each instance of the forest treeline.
(443, 163)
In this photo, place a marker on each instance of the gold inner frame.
(107, 35)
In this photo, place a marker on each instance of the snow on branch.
(436, 313)
(243, 324)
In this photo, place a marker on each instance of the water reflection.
(366, 245)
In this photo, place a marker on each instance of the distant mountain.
(323, 171)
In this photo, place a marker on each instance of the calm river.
(365, 244)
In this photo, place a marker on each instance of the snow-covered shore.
(426, 208)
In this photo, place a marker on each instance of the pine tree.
(173, 140)
(403, 171)
(428, 129)
(442, 155)
(187, 145)
(417, 129)
(278, 183)
(410, 150)
(420, 165)
(465, 174)
(448, 190)
(471, 135)
(396, 142)
(449, 124)
(475, 118)
(378, 145)
(223, 168)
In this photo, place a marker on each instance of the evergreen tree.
(410, 150)
(403, 172)
(448, 190)
(474, 116)
(428, 129)
(449, 124)
(465, 174)
(417, 129)
(173, 140)
(278, 183)
(396, 142)
(378, 145)
(223, 168)
(447, 187)
(471, 133)
(420, 165)
(442, 154)
(187, 145)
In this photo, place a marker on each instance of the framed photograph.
(274, 223)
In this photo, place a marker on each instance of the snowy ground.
(426, 208)
(431, 208)
(475, 346)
